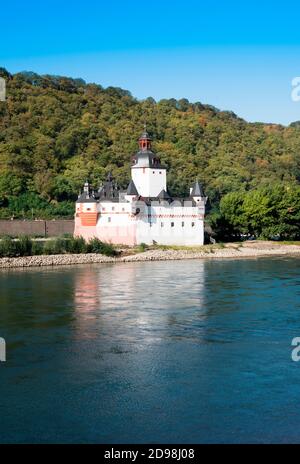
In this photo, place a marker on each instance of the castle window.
(88, 209)
(123, 209)
(161, 224)
(153, 172)
(113, 208)
(159, 172)
(182, 224)
(103, 209)
(193, 224)
(172, 224)
(109, 219)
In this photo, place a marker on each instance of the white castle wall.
(116, 223)
(131, 223)
(149, 181)
(171, 224)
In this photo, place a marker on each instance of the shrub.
(76, 245)
(7, 247)
(97, 246)
(24, 246)
(37, 248)
(54, 246)
(142, 247)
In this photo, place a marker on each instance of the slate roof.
(163, 195)
(197, 190)
(145, 135)
(131, 189)
(109, 190)
(85, 198)
(146, 159)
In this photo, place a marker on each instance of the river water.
(176, 352)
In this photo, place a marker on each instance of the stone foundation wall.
(38, 228)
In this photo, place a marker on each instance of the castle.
(145, 212)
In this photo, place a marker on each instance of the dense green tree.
(271, 211)
(57, 131)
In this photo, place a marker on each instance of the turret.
(197, 194)
(131, 192)
(109, 190)
(86, 188)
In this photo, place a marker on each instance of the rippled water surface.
(184, 351)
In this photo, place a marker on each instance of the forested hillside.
(55, 132)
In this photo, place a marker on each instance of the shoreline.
(228, 251)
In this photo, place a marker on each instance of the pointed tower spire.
(109, 177)
(164, 195)
(197, 190)
(131, 189)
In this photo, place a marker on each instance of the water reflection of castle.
(118, 300)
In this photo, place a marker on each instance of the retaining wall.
(40, 228)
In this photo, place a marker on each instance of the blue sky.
(235, 55)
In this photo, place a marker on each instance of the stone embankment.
(231, 250)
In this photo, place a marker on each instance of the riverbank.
(254, 249)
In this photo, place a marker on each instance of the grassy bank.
(209, 248)
(26, 246)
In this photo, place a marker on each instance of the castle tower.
(86, 207)
(147, 173)
(196, 192)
